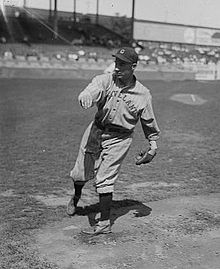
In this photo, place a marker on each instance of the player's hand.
(85, 100)
(145, 156)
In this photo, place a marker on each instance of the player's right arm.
(93, 92)
(85, 99)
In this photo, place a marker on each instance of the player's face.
(123, 70)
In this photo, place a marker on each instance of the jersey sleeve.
(96, 88)
(148, 121)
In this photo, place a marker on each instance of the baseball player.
(121, 101)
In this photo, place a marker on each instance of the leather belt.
(113, 129)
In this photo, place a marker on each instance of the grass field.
(41, 127)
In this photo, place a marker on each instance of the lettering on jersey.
(125, 98)
(112, 93)
(128, 102)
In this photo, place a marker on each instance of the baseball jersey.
(122, 107)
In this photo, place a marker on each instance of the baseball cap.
(127, 55)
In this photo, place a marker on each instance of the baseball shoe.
(71, 206)
(102, 227)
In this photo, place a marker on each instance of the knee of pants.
(105, 183)
(84, 169)
(105, 189)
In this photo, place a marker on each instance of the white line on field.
(193, 97)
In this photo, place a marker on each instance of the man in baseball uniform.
(121, 101)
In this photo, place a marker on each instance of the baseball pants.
(100, 156)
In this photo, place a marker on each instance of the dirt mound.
(181, 232)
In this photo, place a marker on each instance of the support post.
(132, 20)
(97, 11)
(55, 28)
(74, 11)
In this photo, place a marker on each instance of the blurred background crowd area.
(31, 34)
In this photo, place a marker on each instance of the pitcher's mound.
(182, 232)
(189, 99)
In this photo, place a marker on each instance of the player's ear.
(134, 66)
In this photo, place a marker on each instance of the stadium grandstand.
(30, 31)
(39, 34)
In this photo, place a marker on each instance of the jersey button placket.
(114, 107)
(112, 114)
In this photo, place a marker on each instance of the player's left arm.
(151, 132)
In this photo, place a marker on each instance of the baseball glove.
(145, 157)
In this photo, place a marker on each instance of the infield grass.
(41, 127)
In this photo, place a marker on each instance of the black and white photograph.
(109, 134)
